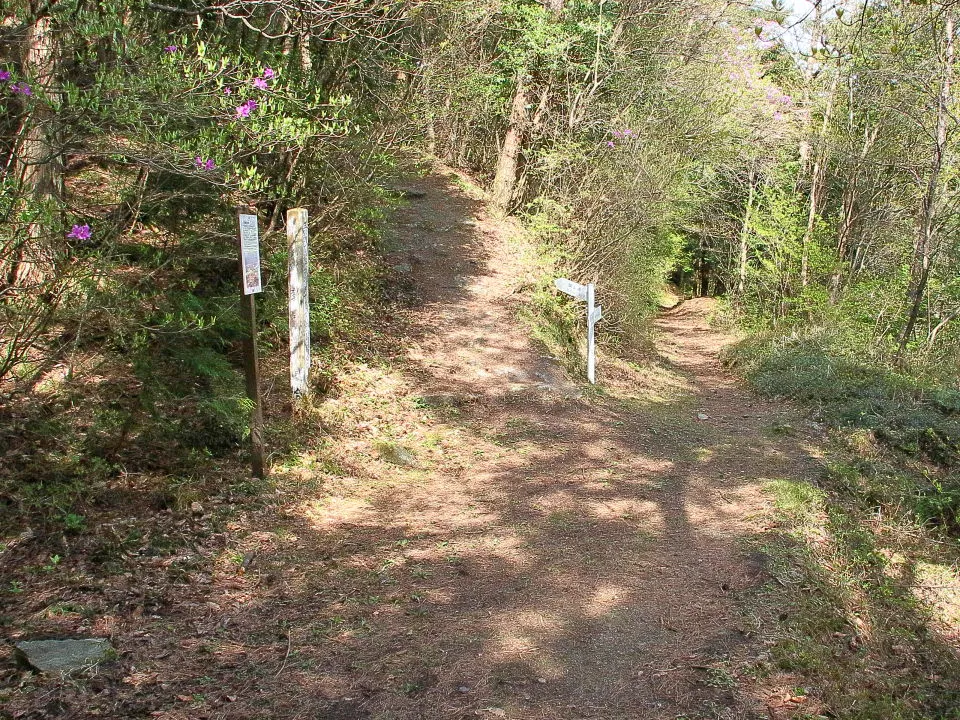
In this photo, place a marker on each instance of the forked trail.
(570, 557)
(489, 539)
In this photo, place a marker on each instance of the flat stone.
(62, 656)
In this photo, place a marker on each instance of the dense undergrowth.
(860, 618)
(148, 390)
(864, 556)
(914, 416)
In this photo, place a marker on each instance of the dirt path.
(476, 534)
(568, 557)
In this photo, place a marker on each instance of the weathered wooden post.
(298, 286)
(250, 283)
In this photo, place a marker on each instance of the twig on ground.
(285, 657)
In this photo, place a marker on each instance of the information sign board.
(250, 254)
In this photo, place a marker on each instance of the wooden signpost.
(251, 283)
(298, 286)
(594, 315)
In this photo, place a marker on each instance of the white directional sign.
(594, 314)
(571, 288)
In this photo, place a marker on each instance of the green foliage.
(555, 321)
(845, 602)
(938, 503)
(120, 351)
(911, 418)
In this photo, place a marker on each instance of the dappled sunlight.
(332, 511)
(476, 530)
(605, 599)
(645, 514)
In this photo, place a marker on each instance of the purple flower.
(244, 110)
(171, 48)
(80, 232)
(21, 88)
(227, 91)
(4, 75)
(260, 83)
(268, 73)
(209, 165)
(610, 143)
(198, 161)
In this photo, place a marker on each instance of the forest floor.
(475, 534)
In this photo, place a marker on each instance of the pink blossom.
(610, 143)
(227, 91)
(80, 232)
(21, 88)
(244, 110)
(260, 83)
(268, 73)
(4, 75)
(171, 49)
(209, 165)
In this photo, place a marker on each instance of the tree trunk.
(505, 179)
(744, 234)
(817, 182)
(850, 212)
(506, 176)
(39, 163)
(925, 246)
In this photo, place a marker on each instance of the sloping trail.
(574, 557)
(481, 536)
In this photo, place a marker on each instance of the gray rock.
(396, 455)
(62, 656)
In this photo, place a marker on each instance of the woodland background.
(805, 172)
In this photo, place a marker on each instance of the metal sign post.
(298, 286)
(594, 315)
(250, 282)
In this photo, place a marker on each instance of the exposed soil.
(479, 535)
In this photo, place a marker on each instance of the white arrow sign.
(571, 288)
(594, 314)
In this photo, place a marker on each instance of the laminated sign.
(250, 254)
